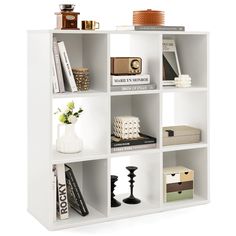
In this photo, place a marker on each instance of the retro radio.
(126, 65)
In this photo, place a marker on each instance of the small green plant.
(69, 116)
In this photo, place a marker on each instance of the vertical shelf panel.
(39, 126)
(149, 48)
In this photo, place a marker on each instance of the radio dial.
(135, 64)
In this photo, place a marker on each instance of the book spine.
(133, 87)
(131, 148)
(77, 192)
(54, 190)
(69, 77)
(130, 80)
(159, 28)
(62, 192)
(58, 66)
(54, 77)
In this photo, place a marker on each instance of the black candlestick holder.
(114, 202)
(131, 199)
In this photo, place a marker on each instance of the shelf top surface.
(56, 31)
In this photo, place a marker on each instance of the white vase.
(69, 142)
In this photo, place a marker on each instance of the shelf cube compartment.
(91, 177)
(90, 51)
(145, 107)
(190, 109)
(193, 56)
(146, 46)
(196, 161)
(92, 125)
(146, 186)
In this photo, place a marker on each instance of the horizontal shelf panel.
(86, 155)
(183, 147)
(197, 200)
(76, 219)
(121, 93)
(191, 89)
(128, 210)
(135, 152)
(117, 32)
(88, 93)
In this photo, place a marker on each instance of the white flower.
(72, 119)
(67, 111)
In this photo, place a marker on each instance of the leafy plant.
(69, 116)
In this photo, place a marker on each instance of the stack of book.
(142, 142)
(67, 193)
(131, 82)
(62, 75)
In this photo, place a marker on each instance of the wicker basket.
(81, 76)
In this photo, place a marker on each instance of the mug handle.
(97, 25)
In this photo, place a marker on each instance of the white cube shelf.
(156, 108)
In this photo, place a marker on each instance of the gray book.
(132, 148)
(133, 87)
(58, 66)
(151, 28)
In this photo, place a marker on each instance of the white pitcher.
(69, 142)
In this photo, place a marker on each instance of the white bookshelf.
(155, 108)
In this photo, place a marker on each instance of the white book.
(63, 208)
(133, 147)
(54, 189)
(54, 77)
(133, 87)
(150, 27)
(130, 79)
(69, 77)
(58, 66)
(171, 68)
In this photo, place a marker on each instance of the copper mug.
(89, 25)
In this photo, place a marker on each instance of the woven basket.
(148, 17)
(81, 76)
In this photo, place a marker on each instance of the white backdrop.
(218, 17)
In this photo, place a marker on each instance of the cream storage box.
(178, 183)
(174, 135)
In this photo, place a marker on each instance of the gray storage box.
(173, 135)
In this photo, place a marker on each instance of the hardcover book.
(75, 197)
(171, 68)
(54, 189)
(68, 74)
(62, 201)
(58, 66)
(150, 28)
(143, 139)
(133, 87)
(54, 77)
(130, 79)
(133, 147)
